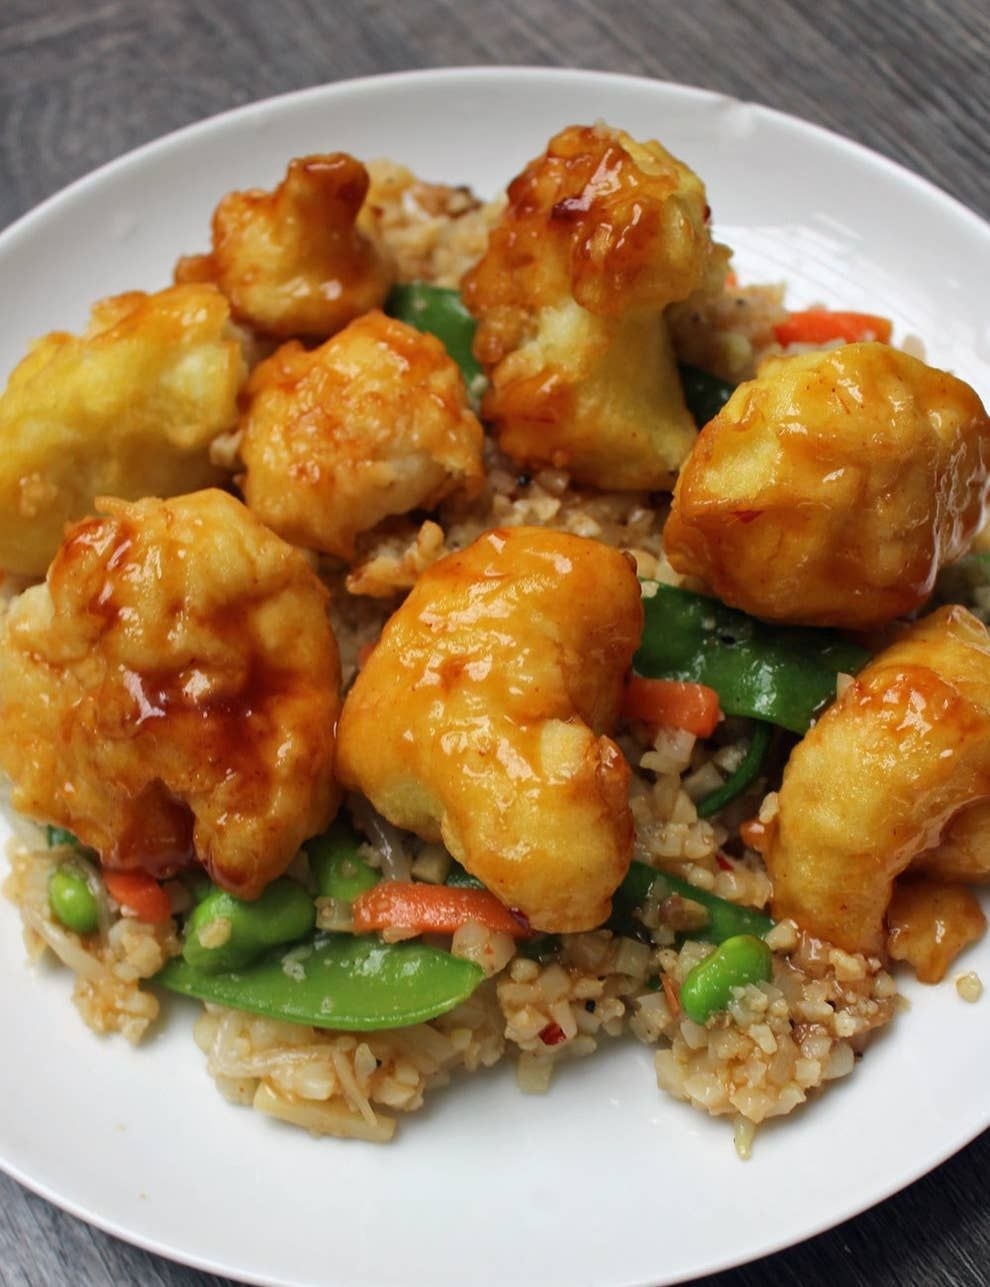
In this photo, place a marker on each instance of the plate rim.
(107, 172)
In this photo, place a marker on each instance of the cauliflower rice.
(555, 999)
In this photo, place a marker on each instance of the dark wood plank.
(82, 81)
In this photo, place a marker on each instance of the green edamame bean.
(346, 981)
(72, 901)
(338, 868)
(734, 963)
(227, 933)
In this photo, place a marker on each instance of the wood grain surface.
(82, 81)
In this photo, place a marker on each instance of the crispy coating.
(599, 236)
(831, 489)
(929, 924)
(479, 717)
(170, 693)
(293, 262)
(128, 409)
(373, 423)
(877, 780)
(963, 853)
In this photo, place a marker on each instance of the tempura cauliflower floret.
(128, 408)
(292, 262)
(479, 717)
(170, 693)
(830, 489)
(879, 778)
(373, 423)
(600, 235)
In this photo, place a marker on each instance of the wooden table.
(82, 82)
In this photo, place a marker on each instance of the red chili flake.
(725, 863)
(552, 1034)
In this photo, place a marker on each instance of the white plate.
(604, 1181)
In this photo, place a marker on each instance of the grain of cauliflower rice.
(362, 701)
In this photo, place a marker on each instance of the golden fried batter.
(929, 924)
(292, 262)
(479, 719)
(600, 235)
(877, 780)
(170, 693)
(128, 409)
(373, 423)
(830, 489)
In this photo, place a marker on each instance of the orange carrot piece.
(139, 893)
(431, 909)
(673, 703)
(820, 326)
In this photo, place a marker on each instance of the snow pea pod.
(725, 919)
(746, 773)
(705, 394)
(440, 311)
(782, 674)
(341, 981)
(337, 866)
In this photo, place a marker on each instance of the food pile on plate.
(441, 631)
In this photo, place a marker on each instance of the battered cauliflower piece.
(373, 423)
(129, 408)
(832, 488)
(929, 924)
(600, 235)
(479, 719)
(170, 693)
(293, 262)
(877, 781)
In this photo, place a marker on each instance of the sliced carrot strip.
(140, 893)
(431, 909)
(820, 326)
(672, 703)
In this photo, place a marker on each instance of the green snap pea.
(71, 899)
(735, 962)
(705, 394)
(746, 773)
(440, 311)
(337, 866)
(725, 919)
(459, 878)
(784, 675)
(227, 933)
(59, 838)
(345, 981)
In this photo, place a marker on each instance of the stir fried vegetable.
(736, 961)
(432, 909)
(337, 981)
(743, 776)
(337, 866)
(227, 933)
(725, 919)
(704, 393)
(783, 675)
